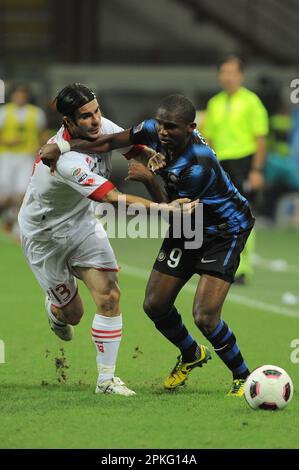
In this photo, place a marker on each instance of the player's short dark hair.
(72, 97)
(179, 105)
(232, 58)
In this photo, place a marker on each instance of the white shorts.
(15, 172)
(54, 262)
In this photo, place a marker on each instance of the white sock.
(51, 315)
(106, 334)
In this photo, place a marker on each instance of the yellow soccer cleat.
(181, 370)
(237, 388)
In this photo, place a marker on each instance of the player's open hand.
(255, 180)
(156, 162)
(138, 172)
(184, 205)
(50, 153)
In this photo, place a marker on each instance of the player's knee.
(152, 307)
(206, 319)
(148, 307)
(109, 300)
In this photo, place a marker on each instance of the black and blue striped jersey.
(197, 174)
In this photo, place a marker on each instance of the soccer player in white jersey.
(62, 240)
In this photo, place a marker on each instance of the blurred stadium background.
(133, 53)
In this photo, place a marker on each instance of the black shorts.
(238, 170)
(219, 256)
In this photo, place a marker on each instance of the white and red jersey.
(102, 161)
(58, 204)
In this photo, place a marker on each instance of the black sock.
(171, 326)
(225, 345)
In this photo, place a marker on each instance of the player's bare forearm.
(260, 154)
(50, 153)
(156, 191)
(139, 172)
(114, 196)
(184, 204)
(104, 143)
(256, 178)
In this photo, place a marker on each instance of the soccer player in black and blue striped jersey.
(189, 168)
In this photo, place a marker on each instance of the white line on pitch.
(235, 298)
(275, 265)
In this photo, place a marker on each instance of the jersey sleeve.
(133, 151)
(145, 133)
(74, 171)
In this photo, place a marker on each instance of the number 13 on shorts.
(60, 293)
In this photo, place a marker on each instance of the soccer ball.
(269, 388)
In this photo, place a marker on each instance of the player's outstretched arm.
(104, 143)
(50, 153)
(183, 204)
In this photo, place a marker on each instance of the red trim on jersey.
(134, 151)
(101, 191)
(37, 160)
(108, 269)
(66, 135)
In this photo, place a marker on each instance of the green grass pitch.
(41, 407)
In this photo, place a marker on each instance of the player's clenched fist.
(50, 153)
(138, 172)
(156, 162)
